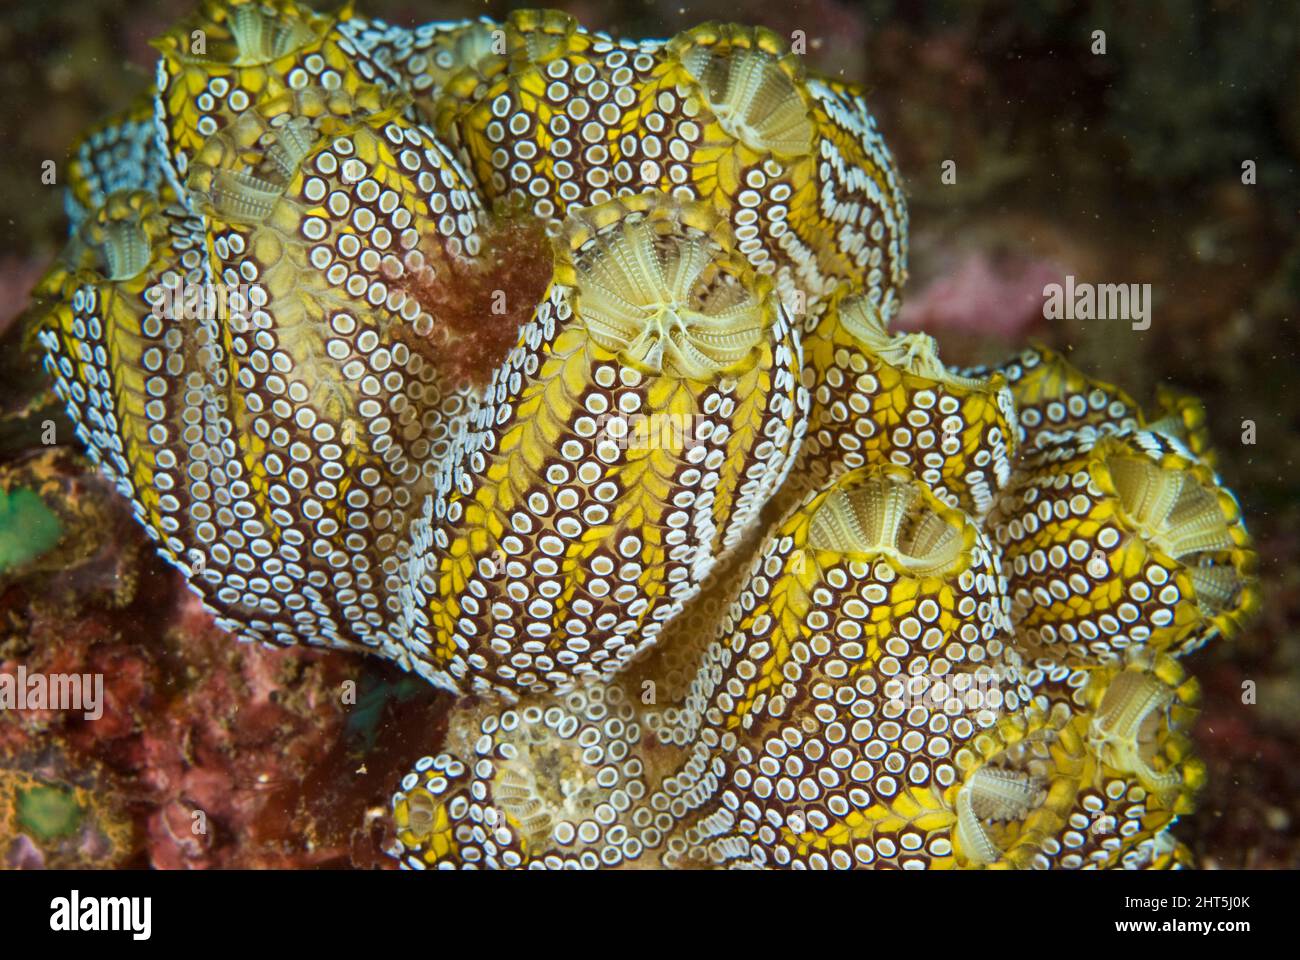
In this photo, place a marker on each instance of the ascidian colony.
(562, 371)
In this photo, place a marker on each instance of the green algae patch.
(47, 812)
(28, 528)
